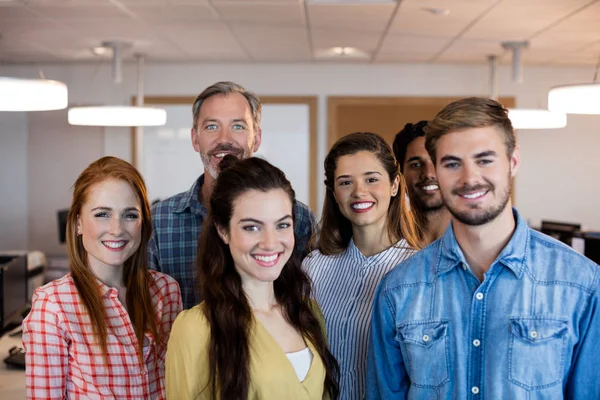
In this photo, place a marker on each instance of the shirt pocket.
(425, 350)
(537, 351)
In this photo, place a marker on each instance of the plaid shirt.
(177, 223)
(63, 359)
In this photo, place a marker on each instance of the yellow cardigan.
(272, 376)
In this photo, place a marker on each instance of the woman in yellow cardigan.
(257, 334)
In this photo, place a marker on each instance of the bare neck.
(481, 245)
(372, 239)
(261, 295)
(436, 223)
(110, 276)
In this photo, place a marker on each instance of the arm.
(584, 378)
(187, 357)
(386, 375)
(46, 350)
(306, 226)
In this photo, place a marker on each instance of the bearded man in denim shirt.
(492, 309)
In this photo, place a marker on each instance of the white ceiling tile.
(171, 13)
(423, 45)
(275, 14)
(470, 50)
(413, 19)
(211, 40)
(503, 24)
(269, 43)
(360, 18)
(327, 38)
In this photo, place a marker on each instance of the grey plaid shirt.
(177, 223)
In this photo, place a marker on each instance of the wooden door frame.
(333, 102)
(310, 101)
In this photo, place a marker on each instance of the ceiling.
(560, 32)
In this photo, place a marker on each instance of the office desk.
(12, 380)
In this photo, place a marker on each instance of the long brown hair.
(136, 276)
(336, 230)
(225, 303)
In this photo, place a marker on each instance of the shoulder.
(166, 206)
(163, 282)
(165, 285)
(552, 260)
(413, 267)
(316, 260)
(59, 289)
(191, 325)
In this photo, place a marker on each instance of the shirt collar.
(355, 253)
(191, 199)
(512, 256)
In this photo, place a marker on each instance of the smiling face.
(421, 181)
(260, 234)
(474, 174)
(110, 224)
(224, 126)
(362, 189)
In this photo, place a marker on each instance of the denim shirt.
(530, 330)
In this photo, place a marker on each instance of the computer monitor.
(563, 231)
(62, 225)
(13, 290)
(592, 247)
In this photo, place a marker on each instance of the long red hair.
(136, 277)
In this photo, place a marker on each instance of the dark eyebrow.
(261, 222)
(365, 174)
(488, 153)
(449, 158)
(415, 158)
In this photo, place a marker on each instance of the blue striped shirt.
(176, 226)
(344, 285)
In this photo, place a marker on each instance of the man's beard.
(483, 216)
(212, 170)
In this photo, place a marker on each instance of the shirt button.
(464, 266)
(426, 338)
(533, 334)
(475, 390)
(479, 296)
(476, 342)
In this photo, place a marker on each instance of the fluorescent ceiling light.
(526, 118)
(117, 116)
(575, 99)
(32, 94)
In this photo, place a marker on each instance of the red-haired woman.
(101, 331)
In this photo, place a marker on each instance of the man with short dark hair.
(226, 120)
(493, 309)
(423, 189)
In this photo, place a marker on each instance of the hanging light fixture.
(525, 118)
(32, 94)
(118, 115)
(576, 99)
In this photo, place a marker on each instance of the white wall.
(558, 177)
(13, 181)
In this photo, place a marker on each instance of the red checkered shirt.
(64, 360)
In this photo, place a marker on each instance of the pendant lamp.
(118, 115)
(32, 94)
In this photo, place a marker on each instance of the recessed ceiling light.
(341, 52)
(442, 12)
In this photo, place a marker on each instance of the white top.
(301, 361)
